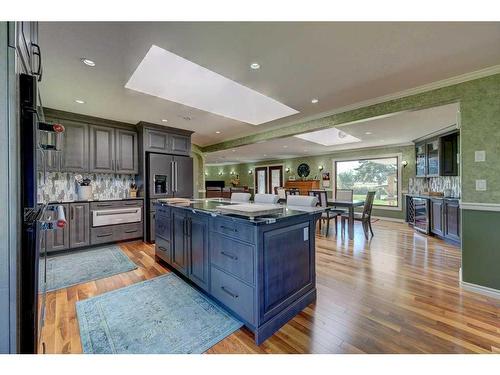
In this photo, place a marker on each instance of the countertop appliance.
(421, 214)
(167, 176)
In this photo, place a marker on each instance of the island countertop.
(212, 207)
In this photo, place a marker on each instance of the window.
(377, 174)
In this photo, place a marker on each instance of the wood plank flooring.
(395, 293)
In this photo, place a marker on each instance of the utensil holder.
(84, 193)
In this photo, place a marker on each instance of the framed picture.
(326, 179)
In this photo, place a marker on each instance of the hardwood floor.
(395, 293)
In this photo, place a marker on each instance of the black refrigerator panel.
(183, 177)
(160, 176)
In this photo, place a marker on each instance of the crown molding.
(492, 70)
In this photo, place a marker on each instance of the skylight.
(168, 76)
(329, 137)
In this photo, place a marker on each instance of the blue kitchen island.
(261, 269)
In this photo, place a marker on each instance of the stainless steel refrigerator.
(168, 176)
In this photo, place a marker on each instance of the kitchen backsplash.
(60, 186)
(435, 184)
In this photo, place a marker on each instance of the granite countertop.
(95, 200)
(209, 206)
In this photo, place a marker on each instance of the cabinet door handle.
(162, 248)
(227, 291)
(229, 255)
(131, 231)
(72, 212)
(105, 235)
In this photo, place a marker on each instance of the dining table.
(350, 205)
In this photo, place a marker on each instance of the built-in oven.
(421, 209)
(116, 216)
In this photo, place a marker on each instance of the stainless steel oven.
(421, 206)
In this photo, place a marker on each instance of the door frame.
(270, 176)
(256, 184)
(267, 167)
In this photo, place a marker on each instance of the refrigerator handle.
(176, 175)
(172, 176)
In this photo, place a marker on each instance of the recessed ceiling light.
(88, 62)
(285, 146)
(233, 150)
(79, 101)
(314, 101)
(368, 133)
(217, 132)
(255, 66)
(164, 120)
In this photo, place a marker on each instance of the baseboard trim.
(484, 290)
(480, 206)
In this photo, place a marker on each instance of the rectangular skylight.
(166, 75)
(329, 137)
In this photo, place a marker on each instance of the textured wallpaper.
(58, 186)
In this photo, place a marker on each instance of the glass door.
(275, 177)
(261, 185)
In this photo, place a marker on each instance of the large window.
(378, 174)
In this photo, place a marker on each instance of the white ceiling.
(398, 129)
(339, 63)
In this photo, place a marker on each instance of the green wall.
(408, 154)
(479, 101)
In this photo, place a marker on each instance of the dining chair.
(344, 195)
(266, 198)
(365, 216)
(280, 192)
(327, 215)
(240, 197)
(301, 201)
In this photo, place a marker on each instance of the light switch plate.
(481, 185)
(480, 156)
(306, 234)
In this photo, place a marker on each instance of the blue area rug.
(161, 315)
(81, 266)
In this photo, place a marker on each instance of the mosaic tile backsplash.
(58, 186)
(435, 184)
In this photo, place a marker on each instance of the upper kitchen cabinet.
(75, 152)
(437, 156)
(164, 139)
(126, 151)
(449, 155)
(102, 149)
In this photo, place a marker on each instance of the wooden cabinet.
(75, 152)
(421, 162)
(436, 216)
(102, 149)
(303, 186)
(126, 151)
(79, 225)
(197, 249)
(180, 144)
(449, 155)
(452, 220)
(179, 258)
(58, 238)
(437, 156)
(156, 141)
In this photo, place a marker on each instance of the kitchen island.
(262, 269)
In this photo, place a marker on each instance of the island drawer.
(233, 293)
(233, 257)
(233, 229)
(162, 249)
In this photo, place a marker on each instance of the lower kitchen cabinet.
(452, 220)
(79, 225)
(58, 238)
(436, 217)
(182, 241)
(197, 249)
